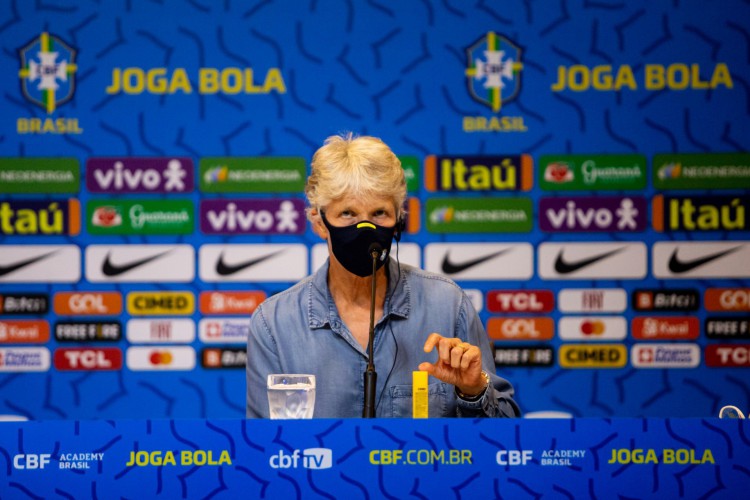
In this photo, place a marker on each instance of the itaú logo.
(311, 458)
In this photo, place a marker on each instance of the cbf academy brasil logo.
(48, 71)
(494, 70)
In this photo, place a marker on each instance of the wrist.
(474, 393)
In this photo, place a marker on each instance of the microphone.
(375, 250)
(371, 376)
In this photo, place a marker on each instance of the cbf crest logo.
(48, 72)
(494, 70)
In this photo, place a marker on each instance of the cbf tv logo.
(494, 70)
(48, 72)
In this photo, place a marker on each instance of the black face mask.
(351, 245)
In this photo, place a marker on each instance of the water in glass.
(291, 396)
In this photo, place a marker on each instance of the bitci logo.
(213, 358)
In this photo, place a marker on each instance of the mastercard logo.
(173, 358)
(163, 358)
(593, 327)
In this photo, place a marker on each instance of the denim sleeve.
(262, 359)
(497, 400)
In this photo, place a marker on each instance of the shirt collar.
(320, 303)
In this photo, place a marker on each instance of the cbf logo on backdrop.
(494, 78)
(48, 80)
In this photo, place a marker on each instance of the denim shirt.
(299, 331)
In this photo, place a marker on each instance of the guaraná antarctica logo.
(494, 70)
(48, 72)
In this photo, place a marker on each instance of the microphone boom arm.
(371, 376)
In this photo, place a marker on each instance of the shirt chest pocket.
(401, 400)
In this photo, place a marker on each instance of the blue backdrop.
(274, 79)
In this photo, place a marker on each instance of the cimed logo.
(493, 70)
(48, 72)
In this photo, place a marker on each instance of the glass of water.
(291, 395)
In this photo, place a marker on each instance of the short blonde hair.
(360, 166)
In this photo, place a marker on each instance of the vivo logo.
(610, 213)
(252, 216)
(312, 458)
(139, 175)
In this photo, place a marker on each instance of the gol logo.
(727, 299)
(156, 303)
(87, 303)
(521, 328)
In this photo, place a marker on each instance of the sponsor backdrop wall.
(579, 167)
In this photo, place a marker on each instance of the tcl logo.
(727, 299)
(520, 328)
(724, 355)
(31, 461)
(79, 359)
(89, 304)
(520, 301)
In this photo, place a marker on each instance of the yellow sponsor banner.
(158, 303)
(593, 356)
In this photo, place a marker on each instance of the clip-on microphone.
(371, 377)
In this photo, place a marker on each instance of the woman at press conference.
(422, 321)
